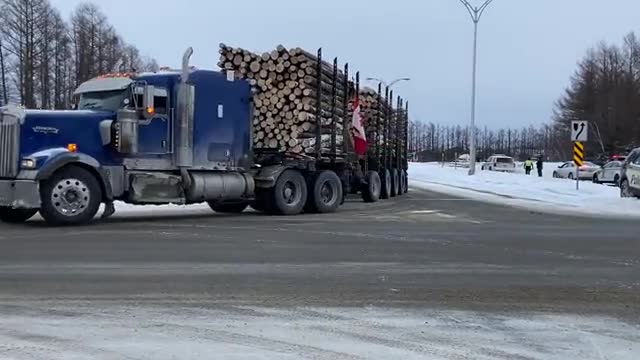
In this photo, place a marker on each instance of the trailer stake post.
(334, 128)
(319, 105)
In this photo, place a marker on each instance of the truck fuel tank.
(208, 186)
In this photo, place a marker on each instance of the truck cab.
(152, 138)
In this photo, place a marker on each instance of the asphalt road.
(424, 249)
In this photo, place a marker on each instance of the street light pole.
(476, 14)
(391, 83)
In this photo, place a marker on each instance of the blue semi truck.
(180, 137)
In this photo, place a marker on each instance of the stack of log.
(285, 86)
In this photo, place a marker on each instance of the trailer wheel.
(406, 181)
(325, 193)
(71, 196)
(385, 178)
(289, 194)
(371, 192)
(16, 216)
(403, 182)
(228, 208)
(395, 182)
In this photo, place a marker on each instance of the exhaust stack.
(184, 143)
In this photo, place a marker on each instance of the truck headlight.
(28, 164)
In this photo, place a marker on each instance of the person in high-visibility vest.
(528, 165)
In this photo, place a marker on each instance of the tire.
(555, 175)
(395, 181)
(402, 181)
(616, 180)
(385, 178)
(570, 176)
(325, 193)
(16, 216)
(406, 181)
(625, 189)
(72, 196)
(595, 179)
(289, 195)
(228, 208)
(371, 192)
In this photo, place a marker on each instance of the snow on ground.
(87, 331)
(123, 209)
(544, 194)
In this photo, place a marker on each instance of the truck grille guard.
(10, 120)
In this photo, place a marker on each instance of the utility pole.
(476, 14)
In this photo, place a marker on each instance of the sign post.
(578, 160)
(579, 135)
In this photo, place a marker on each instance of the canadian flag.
(357, 129)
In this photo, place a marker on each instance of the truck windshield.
(103, 100)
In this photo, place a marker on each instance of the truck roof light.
(72, 147)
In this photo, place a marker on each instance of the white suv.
(499, 163)
(630, 175)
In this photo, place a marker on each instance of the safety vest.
(528, 163)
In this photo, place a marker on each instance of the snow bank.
(544, 194)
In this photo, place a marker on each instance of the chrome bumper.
(23, 194)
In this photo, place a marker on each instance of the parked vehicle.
(186, 137)
(630, 175)
(499, 163)
(609, 173)
(567, 170)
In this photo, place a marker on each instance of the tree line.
(604, 90)
(44, 57)
(433, 141)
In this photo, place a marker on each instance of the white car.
(568, 171)
(609, 173)
(499, 163)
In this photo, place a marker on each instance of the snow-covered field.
(544, 194)
(82, 331)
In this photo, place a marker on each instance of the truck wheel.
(16, 216)
(371, 192)
(228, 208)
(289, 195)
(71, 196)
(395, 182)
(325, 193)
(385, 178)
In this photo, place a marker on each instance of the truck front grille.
(9, 147)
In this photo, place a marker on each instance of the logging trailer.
(188, 136)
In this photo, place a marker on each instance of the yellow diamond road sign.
(578, 153)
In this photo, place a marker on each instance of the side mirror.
(148, 106)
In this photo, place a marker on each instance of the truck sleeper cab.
(178, 137)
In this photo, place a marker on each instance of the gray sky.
(527, 49)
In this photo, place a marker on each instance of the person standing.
(528, 166)
(539, 166)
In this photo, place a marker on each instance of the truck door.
(154, 134)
